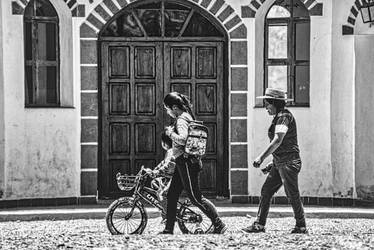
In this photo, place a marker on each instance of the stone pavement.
(92, 234)
(227, 210)
(83, 227)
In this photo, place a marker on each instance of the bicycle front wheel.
(124, 216)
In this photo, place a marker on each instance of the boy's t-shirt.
(167, 166)
(285, 122)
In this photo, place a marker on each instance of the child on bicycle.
(165, 169)
(163, 172)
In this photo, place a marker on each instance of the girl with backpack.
(186, 174)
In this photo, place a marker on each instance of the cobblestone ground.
(83, 234)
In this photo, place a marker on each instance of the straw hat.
(276, 94)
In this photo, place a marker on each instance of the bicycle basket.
(126, 182)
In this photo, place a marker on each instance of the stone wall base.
(307, 200)
(278, 200)
(48, 202)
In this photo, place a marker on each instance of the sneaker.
(254, 228)
(219, 227)
(166, 232)
(299, 230)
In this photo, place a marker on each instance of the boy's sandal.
(299, 230)
(254, 228)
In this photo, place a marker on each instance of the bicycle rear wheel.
(120, 220)
(192, 221)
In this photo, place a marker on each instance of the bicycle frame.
(146, 193)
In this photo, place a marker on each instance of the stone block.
(89, 78)
(100, 10)
(239, 182)
(88, 52)
(17, 9)
(88, 183)
(111, 6)
(239, 32)
(317, 10)
(87, 32)
(239, 130)
(239, 79)
(244, 199)
(225, 13)
(89, 132)
(95, 22)
(239, 53)
(216, 6)
(89, 104)
(239, 156)
(89, 156)
(205, 3)
(247, 12)
(238, 104)
(234, 21)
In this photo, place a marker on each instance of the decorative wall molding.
(77, 10)
(223, 12)
(249, 11)
(348, 28)
(237, 45)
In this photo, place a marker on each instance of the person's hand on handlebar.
(150, 172)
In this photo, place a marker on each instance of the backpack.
(197, 138)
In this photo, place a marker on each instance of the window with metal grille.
(41, 39)
(287, 50)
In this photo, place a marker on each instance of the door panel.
(120, 61)
(120, 98)
(206, 62)
(132, 114)
(180, 62)
(196, 70)
(135, 78)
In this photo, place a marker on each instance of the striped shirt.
(284, 122)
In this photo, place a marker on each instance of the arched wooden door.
(146, 52)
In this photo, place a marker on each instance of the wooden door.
(196, 70)
(132, 110)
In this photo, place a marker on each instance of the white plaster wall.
(342, 102)
(313, 123)
(41, 153)
(364, 94)
(2, 170)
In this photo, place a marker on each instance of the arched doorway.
(147, 50)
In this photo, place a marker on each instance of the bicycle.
(128, 215)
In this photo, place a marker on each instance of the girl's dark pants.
(285, 173)
(186, 177)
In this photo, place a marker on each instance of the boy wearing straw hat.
(286, 165)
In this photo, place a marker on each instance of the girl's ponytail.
(187, 105)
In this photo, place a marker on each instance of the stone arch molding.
(349, 27)
(105, 10)
(249, 11)
(77, 10)
(237, 65)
